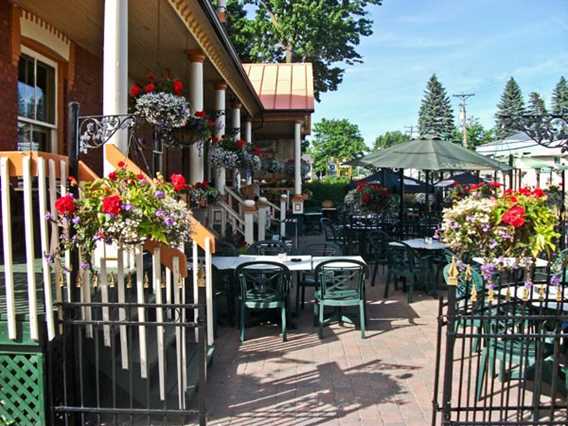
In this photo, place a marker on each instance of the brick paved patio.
(385, 379)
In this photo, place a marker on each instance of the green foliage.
(511, 105)
(560, 96)
(336, 140)
(323, 32)
(436, 117)
(476, 134)
(333, 189)
(389, 139)
(536, 104)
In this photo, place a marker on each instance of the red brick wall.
(87, 90)
(8, 83)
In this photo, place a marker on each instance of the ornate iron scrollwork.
(96, 130)
(549, 130)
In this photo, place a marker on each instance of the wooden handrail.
(15, 161)
(234, 194)
(198, 232)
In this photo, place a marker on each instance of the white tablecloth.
(305, 263)
(549, 303)
(420, 244)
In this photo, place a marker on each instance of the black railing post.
(202, 343)
(450, 339)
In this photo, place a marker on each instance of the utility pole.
(463, 112)
(410, 131)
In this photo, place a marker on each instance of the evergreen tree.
(510, 110)
(560, 97)
(536, 104)
(436, 117)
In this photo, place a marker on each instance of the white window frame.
(54, 129)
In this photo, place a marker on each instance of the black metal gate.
(109, 372)
(502, 352)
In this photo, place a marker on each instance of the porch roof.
(283, 87)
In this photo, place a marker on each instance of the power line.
(410, 131)
(463, 112)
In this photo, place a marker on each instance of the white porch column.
(298, 158)
(221, 10)
(196, 58)
(263, 213)
(115, 69)
(248, 139)
(237, 129)
(220, 97)
(249, 211)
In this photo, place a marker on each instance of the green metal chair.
(377, 251)
(263, 285)
(268, 248)
(404, 264)
(341, 283)
(465, 305)
(515, 352)
(309, 279)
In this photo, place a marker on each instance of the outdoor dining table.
(547, 301)
(297, 264)
(422, 244)
(300, 263)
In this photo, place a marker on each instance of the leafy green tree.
(436, 117)
(476, 134)
(323, 32)
(388, 139)
(560, 96)
(336, 140)
(536, 104)
(510, 110)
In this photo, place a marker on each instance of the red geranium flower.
(178, 181)
(215, 139)
(525, 191)
(495, 184)
(240, 143)
(112, 176)
(361, 186)
(538, 193)
(256, 151)
(200, 114)
(515, 216)
(205, 184)
(65, 205)
(177, 86)
(150, 87)
(121, 164)
(135, 90)
(140, 176)
(112, 205)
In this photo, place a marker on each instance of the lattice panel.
(21, 388)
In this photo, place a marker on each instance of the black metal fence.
(503, 352)
(135, 371)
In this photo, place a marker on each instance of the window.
(37, 109)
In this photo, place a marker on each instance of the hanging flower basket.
(124, 209)
(201, 194)
(518, 226)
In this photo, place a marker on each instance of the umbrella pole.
(401, 205)
(563, 211)
(427, 178)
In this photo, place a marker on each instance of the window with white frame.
(37, 102)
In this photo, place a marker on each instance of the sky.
(472, 45)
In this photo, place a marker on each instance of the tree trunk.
(289, 54)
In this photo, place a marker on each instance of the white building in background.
(536, 162)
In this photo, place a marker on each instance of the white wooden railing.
(232, 217)
(166, 284)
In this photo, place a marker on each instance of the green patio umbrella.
(430, 154)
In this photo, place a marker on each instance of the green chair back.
(263, 284)
(342, 278)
